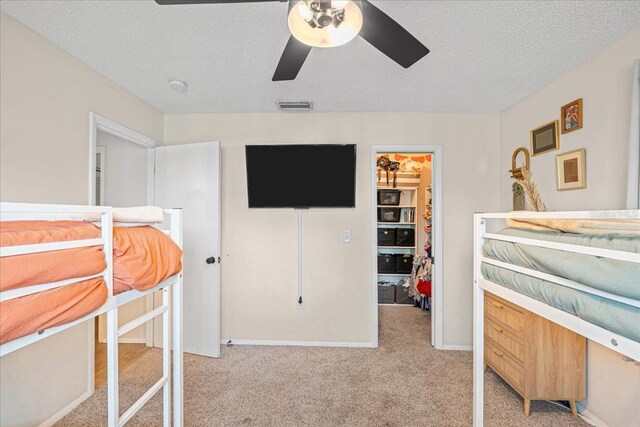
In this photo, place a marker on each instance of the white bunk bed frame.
(171, 308)
(618, 343)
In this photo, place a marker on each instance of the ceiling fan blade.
(389, 37)
(291, 60)
(171, 2)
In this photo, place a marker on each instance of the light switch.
(346, 236)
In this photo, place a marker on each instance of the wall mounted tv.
(301, 176)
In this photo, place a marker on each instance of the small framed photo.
(545, 138)
(571, 116)
(572, 170)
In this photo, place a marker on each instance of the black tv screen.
(301, 176)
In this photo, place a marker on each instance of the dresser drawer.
(504, 365)
(504, 315)
(506, 340)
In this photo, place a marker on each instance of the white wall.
(259, 245)
(44, 153)
(125, 185)
(125, 171)
(604, 83)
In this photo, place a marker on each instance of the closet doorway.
(406, 212)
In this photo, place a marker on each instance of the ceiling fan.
(331, 23)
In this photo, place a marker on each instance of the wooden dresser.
(538, 358)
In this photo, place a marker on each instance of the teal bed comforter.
(617, 277)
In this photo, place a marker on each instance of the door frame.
(437, 317)
(100, 123)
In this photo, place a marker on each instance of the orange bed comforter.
(142, 258)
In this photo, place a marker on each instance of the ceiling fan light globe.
(305, 12)
(329, 36)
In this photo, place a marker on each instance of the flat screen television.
(301, 176)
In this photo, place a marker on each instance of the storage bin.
(386, 236)
(405, 237)
(386, 263)
(389, 197)
(389, 214)
(401, 295)
(404, 263)
(386, 294)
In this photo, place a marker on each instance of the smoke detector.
(299, 106)
(178, 85)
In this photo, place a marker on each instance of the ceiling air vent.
(301, 107)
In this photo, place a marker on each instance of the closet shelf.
(396, 247)
(397, 206)
(393, 274)
(396, 223)
(397, 188)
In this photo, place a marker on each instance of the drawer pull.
(496, 352)
(497, 304)
(497, 328)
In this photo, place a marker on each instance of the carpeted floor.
(405, 382)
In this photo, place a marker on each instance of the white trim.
(98, 122)
(454, 347)
(299, 304)
(67, 409)
(102, 150)
(125, 340)
(588, 416)
(225, 341)
(437, 317)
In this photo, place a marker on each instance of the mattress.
(46, 267)
(32, 313)
(617, 277)
(142, 258)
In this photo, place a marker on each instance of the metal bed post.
(479, 228)
(113, 410)
(176, 288)
(166, 358)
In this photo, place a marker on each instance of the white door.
(187, 176)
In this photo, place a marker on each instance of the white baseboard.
(299, 343)
(586, 415)
(64, 411)
(128, 341)
(457, 347)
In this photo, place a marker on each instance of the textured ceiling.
(484, 55)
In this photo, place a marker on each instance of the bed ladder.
(164, 383)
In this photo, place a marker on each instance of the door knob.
(211, 260)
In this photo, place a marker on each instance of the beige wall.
(44, 111)
(259, 246)
(604, 82)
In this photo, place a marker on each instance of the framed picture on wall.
(571, 116)
(572, 170)
(545, 138)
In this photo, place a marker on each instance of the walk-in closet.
(404, 229)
